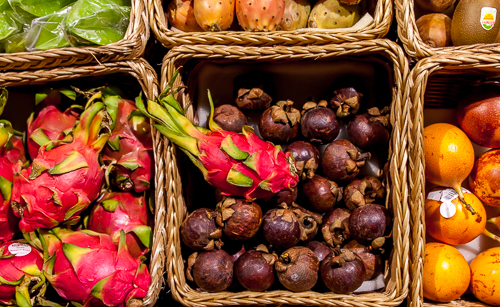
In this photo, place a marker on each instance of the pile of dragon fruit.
(302, 214)
(75, 210)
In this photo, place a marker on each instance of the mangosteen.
(320, 249)
(372, 261)
(199, 230)
(286, 196)
(370, 131)
(306, 158)
(335, 227)
(363, 191)
(212, 270)
(230, 118)
(297, 269)
(239, 219)
(323, 194)
(281, 227)
(253, 93)
(254, 269)
(346, 101)
(370, 224)
(279, 123)
(319, 124)
(235, 285)
(309, 222)
(341, 161)
(342, 271)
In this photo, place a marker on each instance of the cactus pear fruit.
(296, 15)
(214, 15)
(331, 14)
(180, 14)
(260, 15)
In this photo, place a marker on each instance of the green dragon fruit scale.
(65, 177)
(88, 268)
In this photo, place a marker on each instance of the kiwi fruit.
(436, 6)
(435, 29)
(468, 26)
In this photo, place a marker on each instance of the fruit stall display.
(266, 22)
(453, 165)
(224, 104)
(75, 197)
(48, 34)
(432, 27)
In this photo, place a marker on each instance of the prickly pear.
(260, 15)
(214, 15)
(331, 14)
(296, 15)
(180, 14)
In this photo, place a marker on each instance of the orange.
(446, 273)
(485, 280)
(462, 227)
(449, 156)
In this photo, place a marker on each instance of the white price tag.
(447, 210)
(19, 249)
(446, 196)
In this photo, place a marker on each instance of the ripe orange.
(462, 227)
(449, 156)
(446, 273)
(485, 278)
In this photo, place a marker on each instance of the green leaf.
(16, 43)
(98, 22)
(10, 22)
(114, 143)
(5, 188)
(47, 32)
(4, 96)
(71, 94)
(40, 137)
(238, 179)
(73, 162)
(30, 9)
(144, 234)
(232, 150)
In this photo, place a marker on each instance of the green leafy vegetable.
(31, 9)
(47, 32)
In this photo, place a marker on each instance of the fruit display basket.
(139, 76)
(131, 46)
(438, 83)
(297, 72)
(382, 18)
(406, 15)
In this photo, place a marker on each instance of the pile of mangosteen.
(331, 233)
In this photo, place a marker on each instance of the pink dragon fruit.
(125, 211)
(64, 178)
(20, 273)
(50, 124)
(130, 147)
(239, 164)
(86, 267)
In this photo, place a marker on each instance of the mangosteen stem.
(378, 243)
(364, 156)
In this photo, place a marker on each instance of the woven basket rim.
(396, 288)
(417, 84)
(146, 76)
(132, 46)
(413, 43)
(378, 28)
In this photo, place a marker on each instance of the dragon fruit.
(86, 267)
(239, 164)
(20, 273)
(50, 124)
(260, 15)
(64, 178)
(130, 147)
(125, 211)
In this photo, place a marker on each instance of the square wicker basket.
(436, 85)
(132, 46)
(144, 77)
(378, 28)
(406, 17)
(192, 60)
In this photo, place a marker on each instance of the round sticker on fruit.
(488, 17)
(19, 249)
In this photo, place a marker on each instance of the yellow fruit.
(446, 273)
(449, 156)
(485, 280)
(462, 227)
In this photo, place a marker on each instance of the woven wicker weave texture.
(414, 45)
(397, 272)
(378, 28)
(456, 66)
(132, 46)
(146, 76)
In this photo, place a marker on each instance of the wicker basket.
(191, 58)
(437, 82)
(138, 71)
(414, 45)
(132, 46)
(376, 29)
